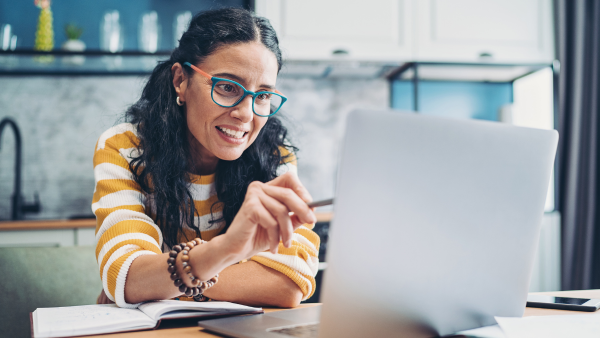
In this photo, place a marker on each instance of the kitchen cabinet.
(48, 233)
(508, 31)
(504, 31)
(374, 30)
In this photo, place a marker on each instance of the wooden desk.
(196, 332)
(530, 311)
(179, 332)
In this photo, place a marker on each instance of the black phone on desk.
(563, 303)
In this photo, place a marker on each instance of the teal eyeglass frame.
(214, 81)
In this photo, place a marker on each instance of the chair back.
(36, 277)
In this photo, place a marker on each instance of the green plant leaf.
(73, 31)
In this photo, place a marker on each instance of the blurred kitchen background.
(497, 60)
(474, 53)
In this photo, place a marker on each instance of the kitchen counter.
(74, 232)
(323, 216)
(86, 223)
(48, 224)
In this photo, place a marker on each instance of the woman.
(203, 157)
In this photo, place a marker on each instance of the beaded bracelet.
(198, 287)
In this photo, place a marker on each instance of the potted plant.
(73, 33)
(73, 44)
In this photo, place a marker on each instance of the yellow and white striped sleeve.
(123, 230)
(300, 262)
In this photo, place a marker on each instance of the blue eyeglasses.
(228, 93)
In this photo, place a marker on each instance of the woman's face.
(221, 132)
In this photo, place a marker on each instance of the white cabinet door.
(373, 30)
(55, 237)
(492, 30)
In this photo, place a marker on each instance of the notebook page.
(156, 309)
(87, 319)
(186, 314)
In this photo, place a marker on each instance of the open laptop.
(436, 222)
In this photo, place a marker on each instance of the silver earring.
(179, 103)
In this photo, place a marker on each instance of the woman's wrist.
(207, 260)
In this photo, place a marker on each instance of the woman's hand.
(265, 219)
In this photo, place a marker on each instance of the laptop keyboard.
(302, 331)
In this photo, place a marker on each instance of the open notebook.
(97, 319)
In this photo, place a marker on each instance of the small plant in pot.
(73, 43)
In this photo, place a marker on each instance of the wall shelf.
(29, 62)
(485, 72)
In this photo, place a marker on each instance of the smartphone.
(563, 303)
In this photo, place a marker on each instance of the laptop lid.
(436, 221)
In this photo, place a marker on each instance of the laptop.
(436, 222)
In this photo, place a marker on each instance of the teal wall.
(478, 100)
(23, 16)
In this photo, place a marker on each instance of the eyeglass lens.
(228, 93)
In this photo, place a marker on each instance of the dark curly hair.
(162, 168)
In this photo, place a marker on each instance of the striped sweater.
(126, 227)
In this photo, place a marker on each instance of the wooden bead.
(198, 286)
